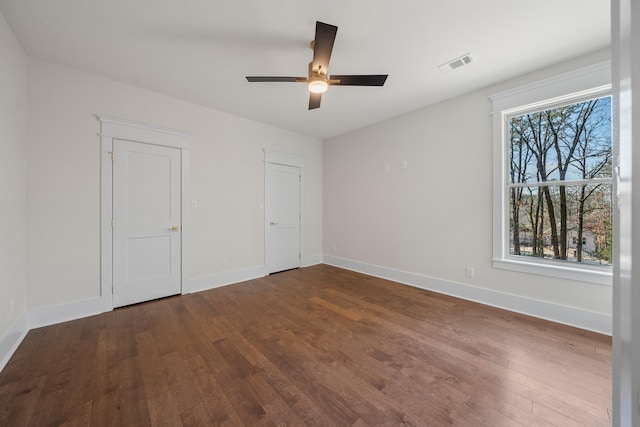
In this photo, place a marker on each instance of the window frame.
(571, 87)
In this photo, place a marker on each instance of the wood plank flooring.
(319, 346)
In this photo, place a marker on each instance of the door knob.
(273, 223)
(175, 228)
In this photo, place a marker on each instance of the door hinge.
(299, 177)
(113, 155)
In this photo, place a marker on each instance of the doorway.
(283, 211)
(144, 230)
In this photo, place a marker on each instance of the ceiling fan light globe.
(318, 86)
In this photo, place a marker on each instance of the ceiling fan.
(318, 80)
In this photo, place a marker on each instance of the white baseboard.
(572, 316)
(237, 276)
(11, 340)
(52, 314)
(45, 316)
(224, 279)
(308, 261)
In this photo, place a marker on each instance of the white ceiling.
(201, 50)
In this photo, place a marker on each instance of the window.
(553, 190)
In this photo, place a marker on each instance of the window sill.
(598, 275)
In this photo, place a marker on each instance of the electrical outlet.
(334, 248)
(469, 272)
(224, 261)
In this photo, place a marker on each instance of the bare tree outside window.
(560, 183)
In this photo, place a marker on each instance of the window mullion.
(566, 183)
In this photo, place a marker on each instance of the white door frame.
(113, 128)
(626, 269)
(286, 159)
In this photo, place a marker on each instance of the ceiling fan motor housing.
(317, 79)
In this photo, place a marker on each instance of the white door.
(282, 217)
(146, 222)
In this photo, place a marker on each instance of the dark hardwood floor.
(319, 346)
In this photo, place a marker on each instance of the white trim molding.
(140, 132)
(572, 316)
(44, 316)
(12, 338)
(227, 278)
(112, 129)
(570, 83)
(58, 313)
(309, 260)
(281, 158)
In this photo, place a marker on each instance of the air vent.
(456, 63)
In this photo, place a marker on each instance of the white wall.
(433, 219)
(226, 178)
(13, 93)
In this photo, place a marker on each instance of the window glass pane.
(562, 143)
(568, 223)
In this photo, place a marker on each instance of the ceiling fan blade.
(314, 100)
(323, 45)
(358, 80)
(261, 79)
